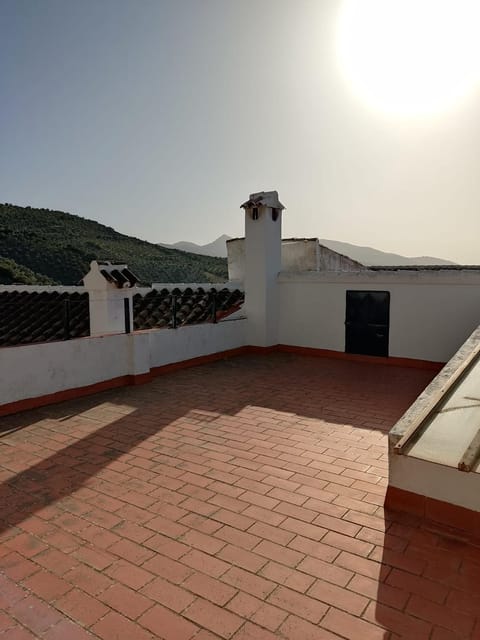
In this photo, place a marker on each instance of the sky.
(160, 117)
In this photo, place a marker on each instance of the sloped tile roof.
(118, 274)
(154, 310)
(27, 318)
(33, 317)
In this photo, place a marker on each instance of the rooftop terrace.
(240, 499)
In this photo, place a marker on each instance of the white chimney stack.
(263, 262)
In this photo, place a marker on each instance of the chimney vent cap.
(116, 274)
(263, 199)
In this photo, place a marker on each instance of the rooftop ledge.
(427, 399)
(434, 449)
(386, 276)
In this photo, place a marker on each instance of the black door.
(367, 322)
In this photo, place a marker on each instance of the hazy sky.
(159, 117)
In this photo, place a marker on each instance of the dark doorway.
(367, 320)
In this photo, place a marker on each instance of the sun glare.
(410, 57)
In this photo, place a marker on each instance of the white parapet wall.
(33, 371)
(431, 312)
(168, 346)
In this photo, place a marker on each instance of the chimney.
(109, 286)
(263, 261)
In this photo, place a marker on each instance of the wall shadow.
(429, 582)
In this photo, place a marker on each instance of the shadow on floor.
(428, 584)
(84, 437)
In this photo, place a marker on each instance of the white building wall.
(431, 313)
(329, 260)
(300, 255)
(297, 255)
(236, 259)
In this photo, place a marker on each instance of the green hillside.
(59, 246)
(13, 273)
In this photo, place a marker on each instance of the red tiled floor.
(242, 499)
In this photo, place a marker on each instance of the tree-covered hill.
(13, 273)
(59, 246)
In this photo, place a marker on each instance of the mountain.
(41, 245)
(366, 255)
(216, 248)
(374, 257)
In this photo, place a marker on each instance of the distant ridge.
(374, 257)
(366, 255)
(217, 248)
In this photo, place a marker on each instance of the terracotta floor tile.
(241, 499)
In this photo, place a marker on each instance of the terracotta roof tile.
(118, 274)
(27, 318)
(154, 310)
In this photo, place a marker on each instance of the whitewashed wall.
(300, 255)
(431, 312)
(31, 371)
(34, 370)
(175, 345)
(297, 255)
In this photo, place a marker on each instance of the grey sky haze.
(159, 117)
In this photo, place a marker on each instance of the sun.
(410, 57)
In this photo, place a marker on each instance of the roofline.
(425, 267)
(283, 240)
